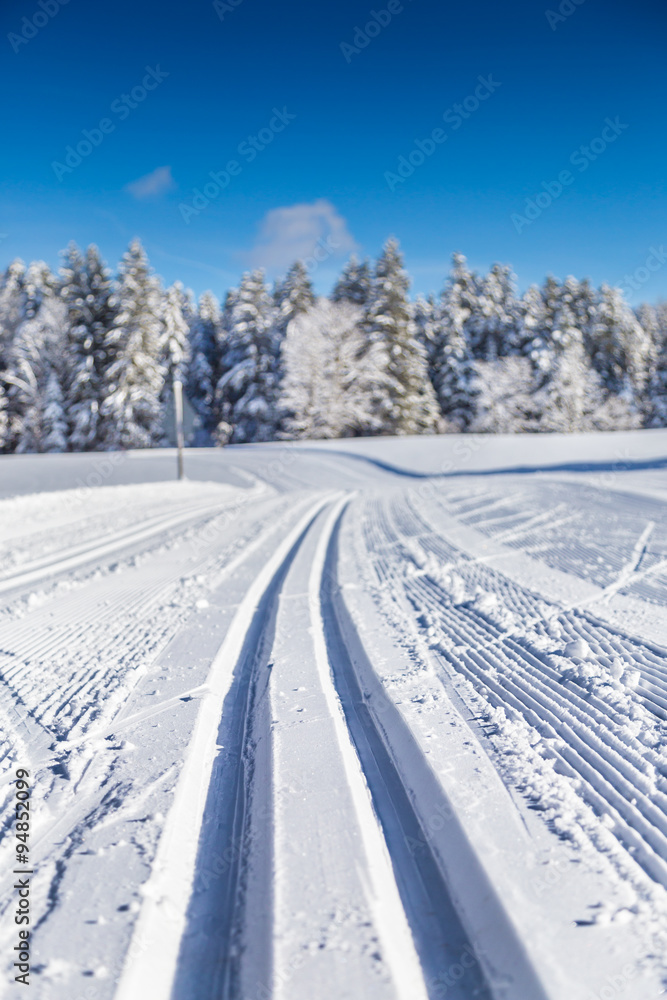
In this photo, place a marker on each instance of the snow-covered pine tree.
(558, 391)
(4, 418)
(24, 291)
(35, 377)
(131, 411)
(424, 311)
(647, 317)
(174, 340)
(654, 322)
(12, 308)
(11, 315)
(39, 283)
(570, 392)
(423, 316)
(248, 391)
(174, 350)
(354, 284)
(26, 407)
(403, 400)
(455, 380)
(86, 291)
(460, 294)
(291, 296)
(547, 309)
(204, 368)
(54, 420)
(494, 322)
(571, 396)
(327, 375)
(661, 317)
(620, 350)
(463, 287)
(583, 299)
(38, 347)
(535, 325)
(506, 403)
(224, 359)
(452, 369)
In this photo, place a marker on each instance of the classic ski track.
(131, 627)
(372, 796)
(575, 618)
(26, 546)
(151, 966)
(616, 773)
(85, 805)
(423, 889)
(109, 634)
(46, 742)
(56, 556)
(584, 552)
(167, 894)
(469, 857)
(384, 895)
(41, 570)
(239, 903)
(82, 627)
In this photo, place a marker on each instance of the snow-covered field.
(380, 719)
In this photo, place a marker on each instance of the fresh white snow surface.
(363, 719)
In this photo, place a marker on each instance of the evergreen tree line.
(87, 359)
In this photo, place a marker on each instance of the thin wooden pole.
(178, 415)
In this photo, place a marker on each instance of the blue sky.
(334, 112)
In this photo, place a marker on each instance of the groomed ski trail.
(350, 734)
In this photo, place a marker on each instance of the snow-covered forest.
(87, 359)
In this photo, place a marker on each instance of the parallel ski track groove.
(649, 658)
(38, 572)
(232, 674)
(253, 672)
(586, 553)
(118, 631)
(615, 770)
(425, 895)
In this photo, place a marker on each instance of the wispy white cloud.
(227, 276)
(297, 232)
(160, 181)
